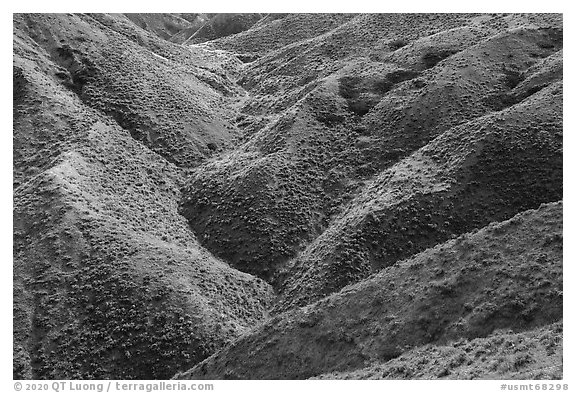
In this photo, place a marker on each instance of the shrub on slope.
(276, 31)
(534, 354)
(223, 25)
(279, 76)
(262, 204)
(176, 110)
(163, 25)
(504, 276)
(485, 170)
(108, 280)
(454, 91)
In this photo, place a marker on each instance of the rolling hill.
(504, 276)
(275, 196)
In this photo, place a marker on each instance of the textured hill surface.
(259, 206)
(166, 26)
(276, 31)
(536, 354)
(485, 170)
(287, 195)
(223, 25)
(505, 276)
(109, 282)
(167, 99)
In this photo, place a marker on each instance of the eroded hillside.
(320, 191)
(109, 281)
(505, 276)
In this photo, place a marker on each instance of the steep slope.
(164, 26)
(196, 22)
(485, 170)
(176, 110)
(275, 31)
(261, 205)
(109, 282)
(535, 354)
(179, 178)
(456, 90)
(215, 68)
(505, 276)
(223, 25)
(278, 77)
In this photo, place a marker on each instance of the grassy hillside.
(275, 31)
(164, 26)
(312, 141)
(223, 25)
(505, 276)
(536, 354)
(287, 195)
(484, 170)
(171, 103)
(109, 282)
